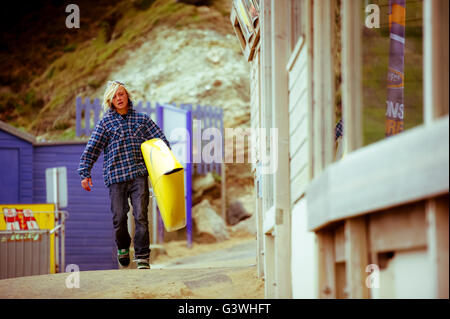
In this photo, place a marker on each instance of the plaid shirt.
(338, 130)
(120, 139)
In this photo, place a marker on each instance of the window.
(245, 21)
(392, 71)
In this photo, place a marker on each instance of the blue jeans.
(119, 193)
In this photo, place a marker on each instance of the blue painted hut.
(23, 161)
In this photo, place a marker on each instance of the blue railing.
(89, 112)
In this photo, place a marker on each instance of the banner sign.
(24, 220)
(395, 80)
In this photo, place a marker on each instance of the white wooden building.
(373, 224)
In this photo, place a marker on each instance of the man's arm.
(94, 147)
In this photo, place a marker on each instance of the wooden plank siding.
(385, 204)
(25, 149)
(298, 121)
(89, 233)
(365, 181)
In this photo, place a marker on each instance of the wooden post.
(256, 122)
(328, 108)
(266, 96)
(356, 257)
(266, 120)
(327, 281)
(269, 267)
(259, 234)
(310, 77)
(437, 221)
(436, 104)
(317, 97)
(435, 59)
(323, 108)
(351, 75)
(322, 118)
(280, 111)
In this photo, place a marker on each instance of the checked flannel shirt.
(120, 139)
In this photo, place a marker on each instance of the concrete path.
(241, 255)
(227, 273)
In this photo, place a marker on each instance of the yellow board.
(167, 179)
(30, 217)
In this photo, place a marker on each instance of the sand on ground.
(224, 270)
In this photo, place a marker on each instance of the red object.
(10, 216)
(30, 220)
(21, 219)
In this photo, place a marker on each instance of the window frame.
(337, 192)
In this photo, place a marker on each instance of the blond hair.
(110, 91)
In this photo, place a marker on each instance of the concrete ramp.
(223, 274)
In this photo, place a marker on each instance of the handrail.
(408, 167)
(26, 231)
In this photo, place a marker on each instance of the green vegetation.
(70, 47)
(216, 177)
(44, 102)
(43, 78)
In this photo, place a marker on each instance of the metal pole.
(63, 242)
(154, 218)
(189, 204)
(160, 122)
(224, 193)
(188, 179)
(55, 197)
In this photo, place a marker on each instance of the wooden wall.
(20, 189)
(298, 122)
(89, 233)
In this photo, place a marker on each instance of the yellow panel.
(42, 214)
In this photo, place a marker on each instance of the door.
(9, 175)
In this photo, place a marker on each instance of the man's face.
(120, 100)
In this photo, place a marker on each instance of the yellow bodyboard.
(167, 179)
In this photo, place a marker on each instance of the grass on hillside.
(48, 105)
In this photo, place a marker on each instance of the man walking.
(119, 135)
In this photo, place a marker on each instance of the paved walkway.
(227, 273)
(241, 255)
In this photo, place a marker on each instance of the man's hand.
(86, 182)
